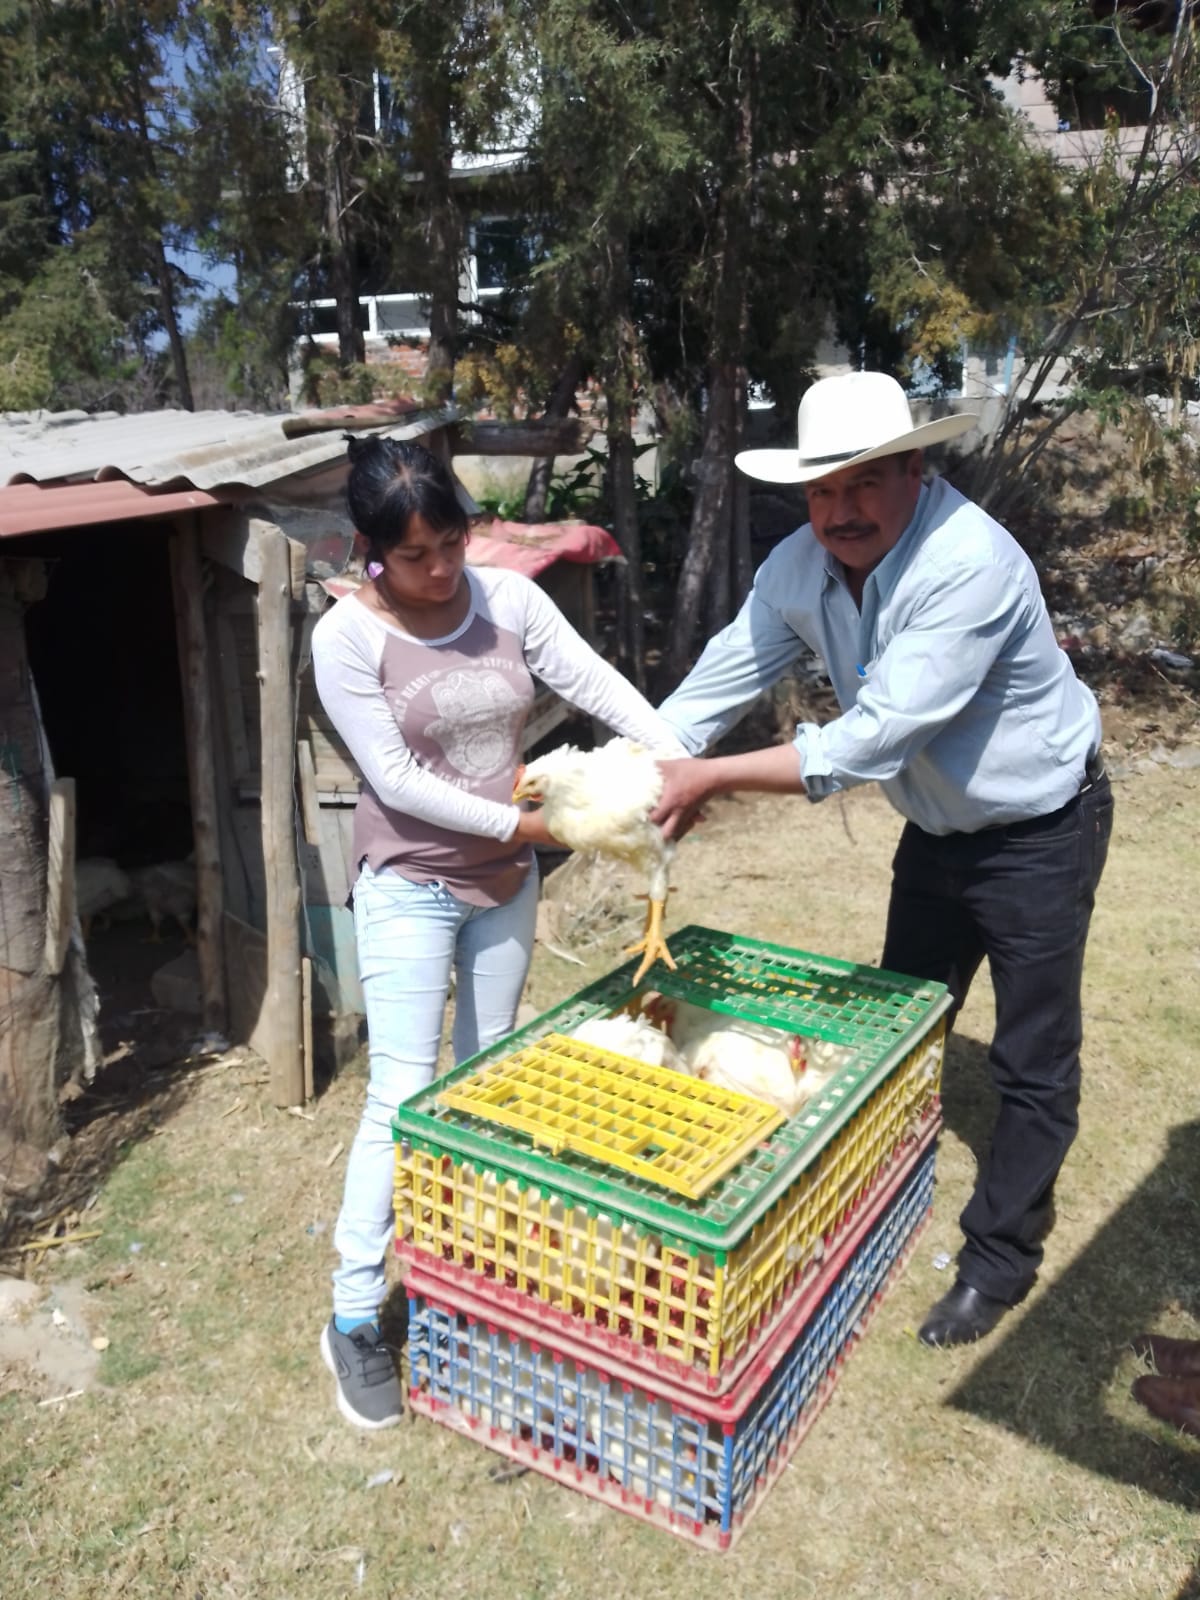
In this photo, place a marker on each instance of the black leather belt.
(1092, 773)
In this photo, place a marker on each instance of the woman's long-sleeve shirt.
(435, 726)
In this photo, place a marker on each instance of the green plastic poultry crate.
(690, 1282)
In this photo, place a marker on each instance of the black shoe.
(961, 1317)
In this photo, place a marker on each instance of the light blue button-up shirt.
(955, 695)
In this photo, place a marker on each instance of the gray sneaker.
(368, 1390)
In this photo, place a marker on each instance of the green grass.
(208, 1462)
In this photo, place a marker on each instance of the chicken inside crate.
(784, 1069)
(683, 1284)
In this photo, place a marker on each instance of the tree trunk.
(742, 571)
(558, 405)
(708, 538)
(631, 624)
(433, 149)
(169, 315)
(709, 562)
(343, 273)
(30, 997)
(445, 254)
(620, 380)
(162, 267)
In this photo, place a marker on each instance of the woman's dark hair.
(393, 480)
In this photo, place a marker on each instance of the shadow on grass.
(128, 1101)
(1052, 1376)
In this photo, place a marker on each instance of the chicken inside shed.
(166, 892)
(100, 884)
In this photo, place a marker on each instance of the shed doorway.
(102, 649)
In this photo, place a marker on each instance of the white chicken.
(643, 1453)
(167, 889)
(601, 800)
(602, 1257)
(785, 1069)
(635, 1037)
(99, 884)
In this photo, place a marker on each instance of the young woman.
(427, 673)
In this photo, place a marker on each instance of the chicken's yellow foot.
(652, 943)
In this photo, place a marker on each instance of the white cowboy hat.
(855, 417)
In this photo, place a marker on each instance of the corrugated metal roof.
(205, 449)
(35, 508)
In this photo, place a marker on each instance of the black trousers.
(1022, 896)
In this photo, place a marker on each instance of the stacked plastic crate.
(647, 1291)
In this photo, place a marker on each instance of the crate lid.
(659, 1124)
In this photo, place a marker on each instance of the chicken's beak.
(522, 790)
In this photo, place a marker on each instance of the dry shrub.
(587, 904)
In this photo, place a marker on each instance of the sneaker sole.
(355, 1418)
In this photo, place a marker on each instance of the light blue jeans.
(410, 936)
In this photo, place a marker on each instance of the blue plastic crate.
(697, 1465)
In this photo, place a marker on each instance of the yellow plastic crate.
(682, 1305)
(661, 1125)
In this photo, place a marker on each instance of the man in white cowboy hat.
(956, 698)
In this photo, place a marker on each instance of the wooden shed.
(160, 578)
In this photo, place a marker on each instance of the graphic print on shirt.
(480, 713)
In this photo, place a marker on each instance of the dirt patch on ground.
(46, 1340)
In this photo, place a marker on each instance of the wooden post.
(199, 731)
(30, 997)
(277, 721)
(310, 799)
(306, 1023)
(60, 873)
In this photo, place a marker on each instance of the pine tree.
(27, 230)
(95, 118)
(246, 215)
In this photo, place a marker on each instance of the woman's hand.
(532, 829)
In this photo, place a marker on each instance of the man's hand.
(687, 784)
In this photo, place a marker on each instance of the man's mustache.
(841, 529)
